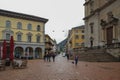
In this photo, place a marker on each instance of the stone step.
(95, 55)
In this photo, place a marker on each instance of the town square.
(60, 40)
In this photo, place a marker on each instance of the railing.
(113, 45)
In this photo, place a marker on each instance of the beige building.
(50, 44)
(28, 32)
(75, 38)
(102, 23)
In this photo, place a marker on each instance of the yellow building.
(28, 32)
(75, 38)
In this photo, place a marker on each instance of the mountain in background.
(61, 45)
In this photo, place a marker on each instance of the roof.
(22, 16)
(79, 27)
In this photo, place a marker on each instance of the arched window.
(29, 26)
(7, 36)
(19, 37)
(8, 24)
(19, 25)
(29, 37)
(37, 39)
(38, 28)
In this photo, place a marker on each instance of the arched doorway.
(38, 53)
(18, 52)
(29, 52)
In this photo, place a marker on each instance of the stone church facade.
(102, 23)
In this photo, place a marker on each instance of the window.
(82, 44)
(29, 38)
(7, 36)
(18, 37)
(76, 31)
(91, 27)
(83, 37)
(38, 28)
(76, 37)
(38, 39)
(29, 27)
(8, 24)
(19, 25)
(82, 31)
(76, 44)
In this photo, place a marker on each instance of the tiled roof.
(22, 16)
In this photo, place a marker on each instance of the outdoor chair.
(24, 63)
(19, 63)
(2, 64)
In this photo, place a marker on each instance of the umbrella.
(11, 48)
(4, 50)
(0, 52)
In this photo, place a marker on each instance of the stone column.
(24, 52)
(43, 52)
(102, 35)
(33, 53)
(114, 32)
(105, 35)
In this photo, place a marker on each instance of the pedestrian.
(67, 56)
(53, 56)
(49, 56)
(76, 60)
(45, 56)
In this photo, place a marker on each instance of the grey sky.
(62, 14)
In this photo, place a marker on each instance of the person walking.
(53, 56)
(45, 56)
(76, 60)
(49, 57)
(67, 56)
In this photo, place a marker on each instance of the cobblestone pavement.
(62, 69)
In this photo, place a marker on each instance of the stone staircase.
(95, 55)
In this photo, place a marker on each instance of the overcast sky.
(62, 14)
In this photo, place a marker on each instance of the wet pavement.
(62, 69)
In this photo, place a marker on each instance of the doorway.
(109, 35)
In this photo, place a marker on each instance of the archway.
(38, 53)
(18, 52)
(29, 52)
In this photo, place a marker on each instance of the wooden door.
(109, 35)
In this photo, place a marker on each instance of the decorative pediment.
(8, 31)
(111, 20)
(19, 33)
(91, 24)
(103, 23)
(38, 34)
(29, 33)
